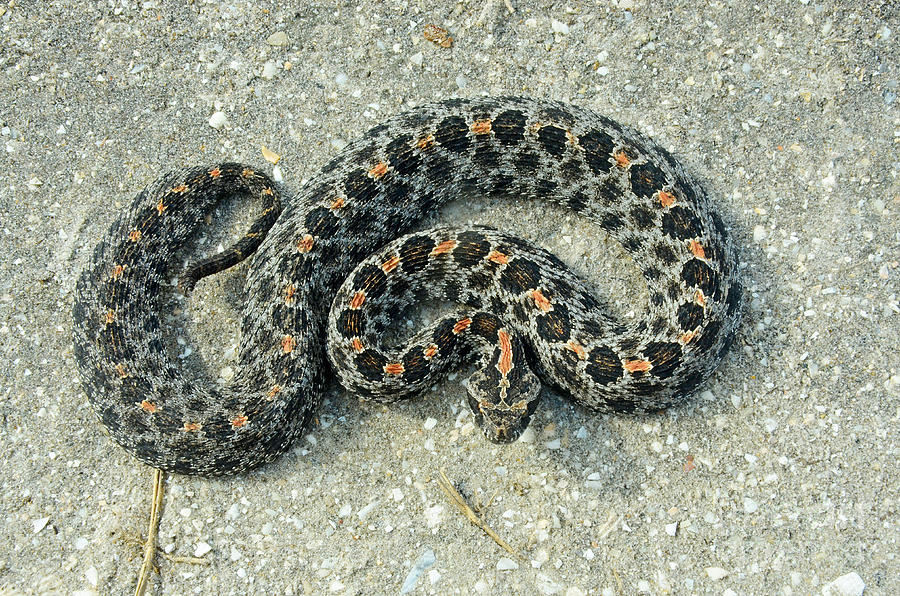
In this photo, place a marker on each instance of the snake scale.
(347, 240)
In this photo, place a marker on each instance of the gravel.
(779, 477)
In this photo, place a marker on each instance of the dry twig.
(152, 534)
(458, 500)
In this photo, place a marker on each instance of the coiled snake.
(521, 311)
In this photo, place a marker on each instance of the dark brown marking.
(120, 370)
(426, 142)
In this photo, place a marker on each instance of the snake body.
(346, 240)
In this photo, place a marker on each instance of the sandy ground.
(779, 477)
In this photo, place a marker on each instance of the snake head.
(503, 404)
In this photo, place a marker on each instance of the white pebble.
(553, 445)
(759, 233)
(397, 494)
(672, 529)
(269, 70)
(850, 584)
(527, 436)
(201, 549)
(716, 572)
(39, 524)
(507, 564)
(461, 81)
(92, 576)
(362, 513)
(279, 38)
(750, 506)
(218, 120)
(429, 423)
(340, 79)
(81, 543)
(559, 27)
(233, 512)
(433, 515)
(417, 58)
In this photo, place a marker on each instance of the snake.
(334, 267)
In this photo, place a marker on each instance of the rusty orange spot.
(481, 127)
(268, 192)
(394, 368)
(305, 244)
(358, 299)
(238, 421)
(289, 292)
(148, 406)
(390, 264)
(110, 317)
(622, 160)
(288, 343)
(425, 142)
(685, 338)
(666, 199)
(160, 207)
(577, 348)
(462, 325)
(120, 369)
(571, 139)
(697, 249)
(430, 351)
(378, 170)
(443, 248)
(540, 300)
(117, 271)
(358, 345)
(438, 36)
(637, 365)
(689, 463)
(247, 173)
(215, 172)
(178, 189)
(699, 298)
(505, 364)
(337, 203)
(498, 257)
(134, 235)
(191, 427)
(276, 389)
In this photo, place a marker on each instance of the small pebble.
(279, 38)
(429, 423)
(269, 70)
(218, 120)
(850, 584)
(201, 549)
(424, 561)
(507, 564)
(559, 27)
(672, 529)
(39, 524)
(716, 572)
